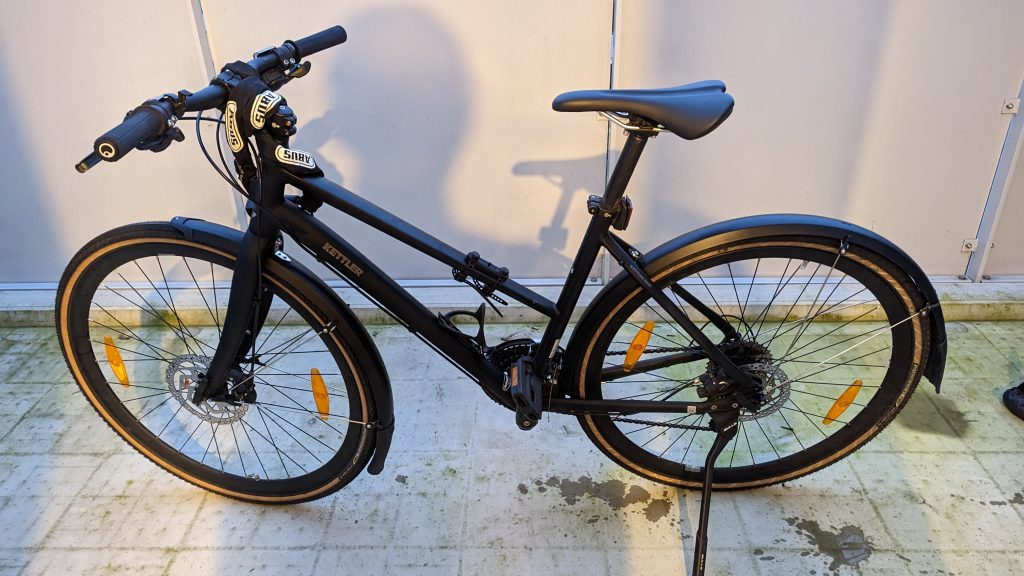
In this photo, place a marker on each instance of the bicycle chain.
(665, 424)
(654, 350)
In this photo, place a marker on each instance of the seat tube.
(623, 171)
(589, 248)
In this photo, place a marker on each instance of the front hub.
(182, 378)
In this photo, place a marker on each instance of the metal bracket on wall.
(997, 190)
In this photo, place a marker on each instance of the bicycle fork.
(248, 306)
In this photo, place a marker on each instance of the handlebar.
(153, 118)
(141, 124)
(320, 41)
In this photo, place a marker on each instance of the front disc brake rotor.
(182, 376)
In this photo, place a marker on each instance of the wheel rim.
(823, 321)
(163, 331)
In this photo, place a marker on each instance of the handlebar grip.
(320, 41)
(141, 124)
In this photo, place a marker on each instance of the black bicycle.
(739, 355)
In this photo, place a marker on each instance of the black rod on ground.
(725, 423)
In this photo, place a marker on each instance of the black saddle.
(689, 111)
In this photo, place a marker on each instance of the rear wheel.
(139, 315)
(834, 337)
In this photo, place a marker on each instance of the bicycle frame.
(276, 213)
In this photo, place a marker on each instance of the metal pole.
(997, 191)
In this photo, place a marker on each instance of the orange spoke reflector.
(323, 401)
(843, 402)
(115, 361)
(637, 346)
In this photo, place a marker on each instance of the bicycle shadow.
(23, 214)
(395, 135)
(570, 177)
(399, 119)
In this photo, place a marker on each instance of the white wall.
(1007, 253)
(441, 112)
(68, 72)
(882, 113)
(886, 114)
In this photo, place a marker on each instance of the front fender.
(769, 225)
(321, 295)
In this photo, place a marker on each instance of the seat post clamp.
(619, 215)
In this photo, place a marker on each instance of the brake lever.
(160, 143)
(275, 78)
(299, 70)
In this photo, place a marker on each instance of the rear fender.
(324, 298)
(773, 225)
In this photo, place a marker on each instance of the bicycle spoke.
(280, 455)
(203, 296)
(238, 448)
(753, 279)
(130, 351)
(216, 316)
(692, 438)
(180, 331)
(216, 445)
(292, 424)
(755, 328)
(823, 396)
(266, 339)
(254, 450)
(275, 419)
(770, 443)
(146, 307)
(155, 349)
(174, 309)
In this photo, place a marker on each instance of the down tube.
(358, 270)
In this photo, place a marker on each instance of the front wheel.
(139, 316)
(834, 336)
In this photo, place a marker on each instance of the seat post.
(623, 171)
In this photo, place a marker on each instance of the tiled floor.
(464, 492)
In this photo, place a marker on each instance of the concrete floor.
(464, 492)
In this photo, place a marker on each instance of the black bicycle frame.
(276, 213)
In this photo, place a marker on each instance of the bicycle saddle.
(689, 111)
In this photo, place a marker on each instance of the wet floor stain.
(616, 494)
(847, 547)
(657, 509)
(1018, 498)
(401, 478)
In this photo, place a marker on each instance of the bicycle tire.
(171, 342)
(887, 378)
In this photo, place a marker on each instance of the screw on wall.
(1011, 106)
